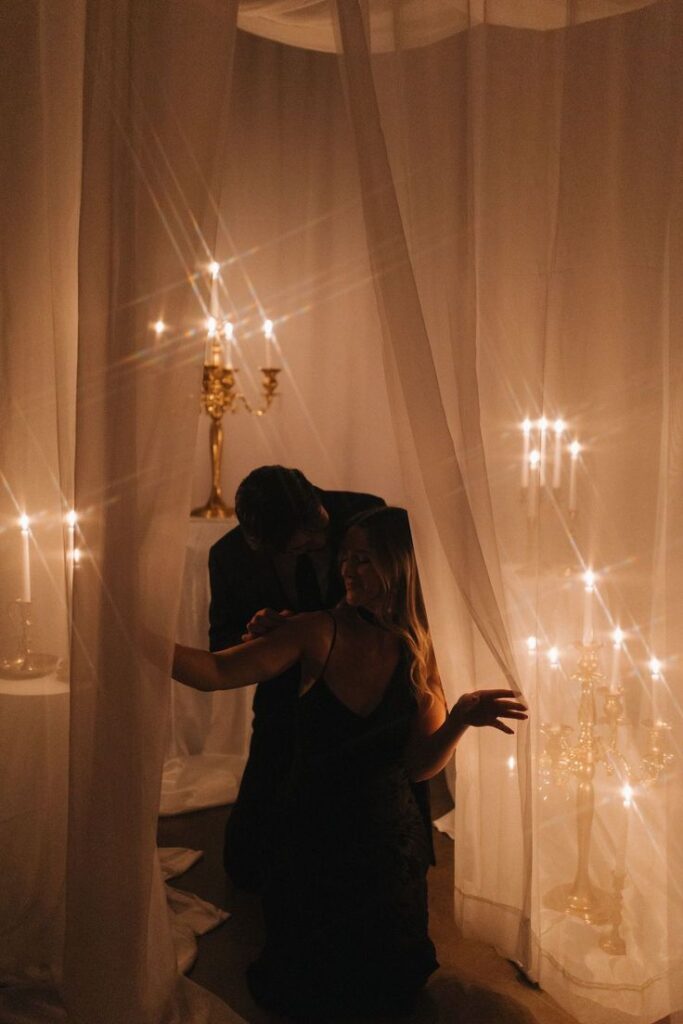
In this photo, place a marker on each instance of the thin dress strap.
(329, 651)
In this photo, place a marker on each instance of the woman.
(346, 905)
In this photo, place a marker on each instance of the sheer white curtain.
(523, 212)
(114, 118)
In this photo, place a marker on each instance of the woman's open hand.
(486, 707)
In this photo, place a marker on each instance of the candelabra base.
(28, 666)
(213, 509)
(594, 906)
(614, 945)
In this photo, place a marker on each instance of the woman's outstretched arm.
(436, 732)
(248, 663)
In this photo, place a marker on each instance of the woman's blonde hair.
(390, 546)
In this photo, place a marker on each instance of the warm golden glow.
(534, 458)
(214, 269)
(24, 523)
(617, 637)
(589, 580)
(575, 449)
(212, 326)
(159, 328)
(268, 328)
(531, 644)
(554, 657)
(655, 667)
(71, 518)
(228, 330)
(627, 794)
(526, 426)
(559, 426)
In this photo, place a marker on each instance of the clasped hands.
(264, 622)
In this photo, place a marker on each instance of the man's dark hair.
(272, 503)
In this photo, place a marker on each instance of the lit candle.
(534, 463)
(655, 667)
(574, 450)
(71, 520)
(229, 332)
(214, 270)
(512, 764)
(617, 642)
(589, 590)
(25, 524)
(210, 347)
(159, 327)
(543, 426)
(559, 428)
(531, 645)
(621, 834)
(526, 434)
(554, 658)
(268, 335)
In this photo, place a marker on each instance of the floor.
(473, 986)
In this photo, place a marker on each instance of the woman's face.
(361, 581)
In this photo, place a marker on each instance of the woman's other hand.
(486, 707)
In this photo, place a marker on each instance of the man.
(280, 559)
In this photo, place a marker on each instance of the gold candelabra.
(220, 395)
(561, 760)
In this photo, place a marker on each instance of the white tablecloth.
(210, 733)
(34, 738)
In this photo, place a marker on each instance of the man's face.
(312, 539)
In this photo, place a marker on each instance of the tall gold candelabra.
(219, 395)
(560, 760)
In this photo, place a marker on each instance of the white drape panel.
(526, 271)
(115, 116)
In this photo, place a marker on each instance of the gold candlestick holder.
(560, 760)
(26, 664)
(219, 395)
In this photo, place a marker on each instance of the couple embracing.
(316, 597)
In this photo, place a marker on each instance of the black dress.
(346, 904)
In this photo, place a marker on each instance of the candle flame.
(618, 637)
(559, 426)
(655, 667)
(627, 794)
(575, 449)
(71, 518)
(228, 330)
(211, 326)
(554, 657)
(24, 523)
(589, 580)
(531, 644)
(268, 328)
(543, 423)
(76, 556)
(526, 426)
(159, 327)
(214, 269)
(512, 762)
(534, 458)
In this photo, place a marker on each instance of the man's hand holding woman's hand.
(486, 707)
(264, 622)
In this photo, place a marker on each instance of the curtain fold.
(118, 129)
(524, 189)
